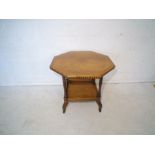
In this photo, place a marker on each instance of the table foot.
(64, 106)
(99, 104)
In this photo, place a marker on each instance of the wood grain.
(82, 64)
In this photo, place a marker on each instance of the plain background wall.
(28, 46)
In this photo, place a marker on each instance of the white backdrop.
(28, 46)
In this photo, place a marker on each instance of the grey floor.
(127, 109)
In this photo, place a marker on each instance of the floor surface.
(127, 109)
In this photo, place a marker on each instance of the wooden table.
(79, 70)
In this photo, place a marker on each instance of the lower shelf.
(82, 90)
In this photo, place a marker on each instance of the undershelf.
(81, 90)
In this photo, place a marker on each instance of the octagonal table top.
(82, 64)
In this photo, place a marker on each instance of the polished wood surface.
(82, 64)
(79, 70)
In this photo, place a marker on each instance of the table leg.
(98, 98)
(65, 85)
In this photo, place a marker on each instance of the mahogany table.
(79, 70)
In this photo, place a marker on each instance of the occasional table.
(79, 71)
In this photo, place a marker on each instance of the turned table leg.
(98, 98)
(65, 85)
